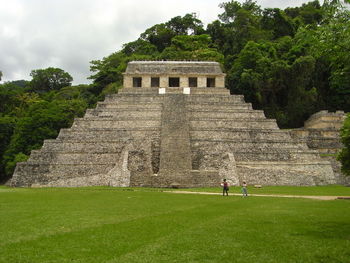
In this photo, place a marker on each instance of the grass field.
(147, 225)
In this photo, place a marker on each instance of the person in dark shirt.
(225, 187)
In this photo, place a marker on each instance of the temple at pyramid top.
(182, 74)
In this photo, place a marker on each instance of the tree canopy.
(49, 79)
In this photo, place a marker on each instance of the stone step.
(325, 124)
(291, 155)
(115, 146)
(215, 99)
(219, 106)
(276, 156)
(327, 151)
(74, 158)
(324, 143)
(248, 145)
(63, 170)
(210, 91)
(115, 113)
(128, 106)
(228, 110)
(133, 98)
(152, 91)
(329, 133)
(286, 173)
(115, 123)
(156, 115)
(240, 134)
(190, 106)
(237, 123)
(108, 134)
(194, 115)
(93, 146)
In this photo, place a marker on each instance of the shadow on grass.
(330, 230)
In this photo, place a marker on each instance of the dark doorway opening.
(155, 82)
(192, 82)
(137, 82)
(174, 82)
(210, 82)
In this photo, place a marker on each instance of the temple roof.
(174, 67)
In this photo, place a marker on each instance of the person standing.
(225, 187)
(244, 189)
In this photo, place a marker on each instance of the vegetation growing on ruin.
(291, 63)
(344, 155)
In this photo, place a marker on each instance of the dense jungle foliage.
(291, 63)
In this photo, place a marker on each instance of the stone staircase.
(321, 132)
(142, 138)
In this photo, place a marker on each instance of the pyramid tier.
(142, 138)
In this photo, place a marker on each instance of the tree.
(186, 25)
(7, 126)
(43, 121)
(232, 10)
(0, 75)
(302, 97)
(9, 98)
(344, 155)
(49, 79)
(274, 81)
(79, 92)
(329, 44)
(192, 48)
(309, 13)
(333, 42)
(108, 70)
(160, 35)
(239, 23)
(140, 47)
(276, 21)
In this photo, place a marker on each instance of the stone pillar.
(164, 81)
(220, 82)
(184, 82)
(146, 81)
(127, 81)
(202, 82)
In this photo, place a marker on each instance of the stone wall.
(321, 133)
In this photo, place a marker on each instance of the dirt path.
(265, 195)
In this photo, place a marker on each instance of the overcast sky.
(68, 34)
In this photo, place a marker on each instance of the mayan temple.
(173, 124)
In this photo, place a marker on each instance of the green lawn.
(147, 225)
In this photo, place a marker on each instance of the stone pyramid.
(173, 125)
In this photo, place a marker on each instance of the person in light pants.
(244, 189)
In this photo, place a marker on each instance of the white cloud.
(70, 33)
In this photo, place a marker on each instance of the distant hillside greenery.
(291, 63)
